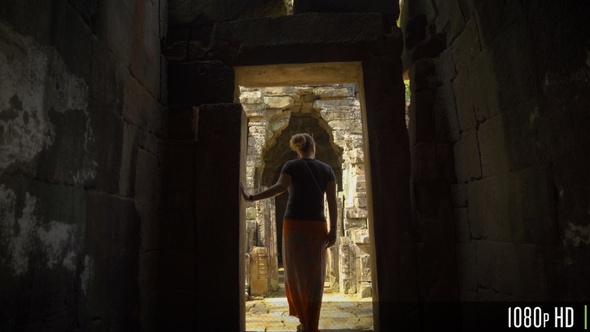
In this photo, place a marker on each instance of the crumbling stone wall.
(80, 149)
(499, 95)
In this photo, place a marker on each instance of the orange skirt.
(304, 261)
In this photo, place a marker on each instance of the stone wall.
(498, 101)
(81, 127)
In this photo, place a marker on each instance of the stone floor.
(339, 313)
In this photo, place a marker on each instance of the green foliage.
(408, 93)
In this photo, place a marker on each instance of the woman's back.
(309, 178)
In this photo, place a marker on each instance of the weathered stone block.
(360, 236)
(424, 124)
(148, 184)
(347, 266)
(113, 26)
(449, 19)
(532, 213)
(357, 156)
(251, 213)
(445, 67)
(186, 11)
(333, 103)
(462, 86)
(128, 160)
(360, 201)
(112, 227)
(108, 78)
(432, 162)
(141, 108)
(513, 53)
(467, 158)
(485, 86)
(148, 283)
(280, 90)
(363, 268)
(178, 174)
(338, 112)
(250, 97)
(424, 166)
(259, 271)
(356, 213)
(354, 223)
(151, 143)
(279, 124)
(423, 75)
(145, 48)
(348, 6)
(466, 46)
(176, 288)
(433, 200)
(247, 42)
(75, 156)
(177, 230)
(331, 92)
(493, 19)
(462, 227)
(447, 121)
(512, 269)
(490, 208)
(217, 212)
(492, 147)
(513, 207)
(163, 80)
(523, 147)
(119, 274)
(176, 269)
(195, 83)
(437, 260)
(181, 123)
(459, 194)
(354, 127)
(151, 223)
(69, 29)
(467, 266)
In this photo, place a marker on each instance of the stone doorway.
(304, 49)
(332, 114)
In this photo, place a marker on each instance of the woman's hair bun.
(301, 142)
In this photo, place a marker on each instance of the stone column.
(267, 230)
(218, 210)
(391, 232)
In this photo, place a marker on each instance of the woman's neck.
(307, 155)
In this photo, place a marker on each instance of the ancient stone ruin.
(125, 135)
(332, 114)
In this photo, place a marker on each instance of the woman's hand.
(244, 193)
(331, 238)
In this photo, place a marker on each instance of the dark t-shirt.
(306, 201)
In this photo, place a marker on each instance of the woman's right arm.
(276, 189)
(333, 212)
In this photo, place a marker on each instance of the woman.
(305, 233)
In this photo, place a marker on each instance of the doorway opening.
(279, 101)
